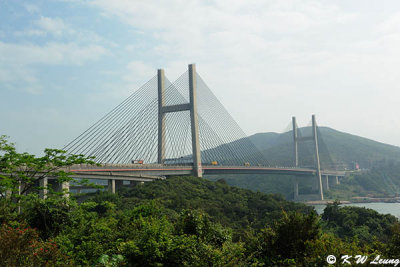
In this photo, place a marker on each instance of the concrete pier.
(191, 106)
(114, 185)
(43, 191)
(317, 183)
(161, 116)
(327, 182)
(315, 135)
(194, 121)
(64, 187)
(111, 186)
(296, 153)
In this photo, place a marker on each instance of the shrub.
(21, 246)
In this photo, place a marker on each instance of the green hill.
(381, 163)
(177, 222)
(343, 148)
(231, 206)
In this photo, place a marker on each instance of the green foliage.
(286, 239)
(366, 225)
(21, 246)
(90, 235)
(115, 231)
(144, 236)
(194, 222)
(7, 212)
(231, 206)
(22, 172)
(115, 260)
(381, 180)
(267, 183)
(298, 240)
(381, 160)
(394, 244)
(181, 221)
(49, 216)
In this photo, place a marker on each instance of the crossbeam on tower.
(191, 106)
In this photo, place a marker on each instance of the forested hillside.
(186, 221)
(380, 163)
(231, 206)
(342, 147)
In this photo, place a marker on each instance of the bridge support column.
(111, 186)
(43, 191)
(197, 169)
(337, 180)
(64, 188)
(161, 116)
(114, 185)
(191, 106)
(327, 182)
(315, 135)
(296, 154)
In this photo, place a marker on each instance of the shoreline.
(355, 200)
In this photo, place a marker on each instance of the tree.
(394, 244)
(285, 242)
(21, 173)
(20, 245)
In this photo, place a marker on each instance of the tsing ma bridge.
(181, 128)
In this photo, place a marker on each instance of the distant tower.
(314, 138)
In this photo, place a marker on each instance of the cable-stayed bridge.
(180, 128)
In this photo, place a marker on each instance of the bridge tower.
(296, 158)
(191, 106)
(314, 138)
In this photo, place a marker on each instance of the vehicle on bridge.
(214, 163)
(137, 161)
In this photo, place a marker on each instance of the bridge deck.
(154, 171)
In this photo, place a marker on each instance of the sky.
(65, 64)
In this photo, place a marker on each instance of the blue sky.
(64, 64)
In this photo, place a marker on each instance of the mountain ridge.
(380, 163)
(343, 147)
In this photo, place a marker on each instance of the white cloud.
(51, 53)
(46, 26)
(17, 60)
(138, 70)
(31, 8)
(54, 26)
(274, 59)
(31, 32)
(266, 56)
(390, 24)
